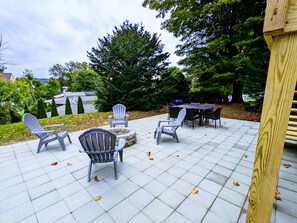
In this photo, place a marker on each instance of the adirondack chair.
(119, 116)
(100, 146)
(171, 127)
(45, 136)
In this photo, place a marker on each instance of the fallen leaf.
(276, 197)
(68, 164)
(277, 192)
(245, 156)
(286, 165)
(151, 158)
(98, 198)
(96, 178)
(54, 163)
(148, 153)
(235, 183)
(195, 191)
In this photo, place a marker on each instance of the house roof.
(7, 76)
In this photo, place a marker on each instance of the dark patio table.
(200, 108)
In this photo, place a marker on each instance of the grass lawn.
(17, 132)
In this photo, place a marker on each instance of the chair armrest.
(169, 126)
(45, 131)
(110, 116)
(81, 150)
(121, 144)
(55, 125)
(168, 121)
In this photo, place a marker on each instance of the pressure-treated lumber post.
(279, 92)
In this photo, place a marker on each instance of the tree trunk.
(237, 92)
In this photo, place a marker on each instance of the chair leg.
(39, 146)
(215, 123)
(159, 137)
(220, 122)
(115, 169)
(69, 138)
(175, 136)
(89, 170)
(121, 155)
(155, 134)
(61, 142)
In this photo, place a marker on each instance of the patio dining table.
(201, 109)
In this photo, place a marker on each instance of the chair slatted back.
(119, 111)
(191, 113)
(33, 125)
(180, 118)
(99, 144)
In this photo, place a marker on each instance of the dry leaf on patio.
(277, 192)
(245, 156)
(235, 183)
(68, 164)
(195, 191)
(151, 158)
(98, 198)
(54, 163)
(148, 153)
(276, 197)
(286, 165)
(96, 178)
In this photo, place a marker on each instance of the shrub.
(80, 106)
(26, 109)
(4, 116)
(68, 110)
(54, 111)
(41, 112)
(14, 116)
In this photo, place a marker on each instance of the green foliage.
(68, 110)
(84, 80)
(64, 73)
(54, 111)
(223, 46)
(41, 112)
(129, 61)
(80, 106)
(14, 116)
(4, 115)
(26, 109)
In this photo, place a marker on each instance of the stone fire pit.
(124, 133)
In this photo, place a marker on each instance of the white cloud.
(41, 33)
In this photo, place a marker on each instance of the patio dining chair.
(171, 127)
(214, 115)
(173, 112)
(100, 146)
(191, 115)
(45, 136)
(119, 116)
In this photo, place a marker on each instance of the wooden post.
(279, 92)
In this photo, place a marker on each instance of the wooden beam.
(279, 93)
(275, 18)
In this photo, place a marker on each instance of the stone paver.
(208, 159)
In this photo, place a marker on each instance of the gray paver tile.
(78, 199)
(226, 210)
(104, 218)
(157, 210)
(127, 188)
(281, 217)
(140, 217)
(203, 198)
(17, 214)
(211, 217)
(232, 197)
(217, 178)
(31, 219)
(145, 196)
(67, 218)
(110, 199)
(52, 213)
(210, 186)
(46, 200)
(172, 198)
(176, 217)
(191, 210)
(88, 212)
(141, 179)
(123, 212)
(167, 178)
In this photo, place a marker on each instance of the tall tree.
(54, 111)
(84, 80)
(41, 112)
(68, 110)
(129, 61)
(223, 46)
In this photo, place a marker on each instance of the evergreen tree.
(26, 109)
(68, 110)
(80, 106)
(41, 112)
(54, 109)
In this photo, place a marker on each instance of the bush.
(80, 106)
(4, 116)
(54, 111)
(68, 110)
(14, 116)
(41, 112)
(26, 109)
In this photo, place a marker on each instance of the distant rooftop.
(7, 76)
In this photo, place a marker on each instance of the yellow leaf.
(195, 191)
(245, 156)
(98, 198)
(69, 164)
(235, 183)
(54, 163)
(277, 192)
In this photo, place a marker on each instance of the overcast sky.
(41, 33)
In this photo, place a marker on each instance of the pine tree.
(54, 109)
(68, 110)
(41, 112)
(80, 106)
(26, 109)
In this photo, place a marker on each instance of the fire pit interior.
(125, 133)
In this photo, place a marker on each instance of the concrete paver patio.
(208, 159)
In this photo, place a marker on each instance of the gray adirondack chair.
(171, 127)
(119, 116)
(100, 146)
(45, 136)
